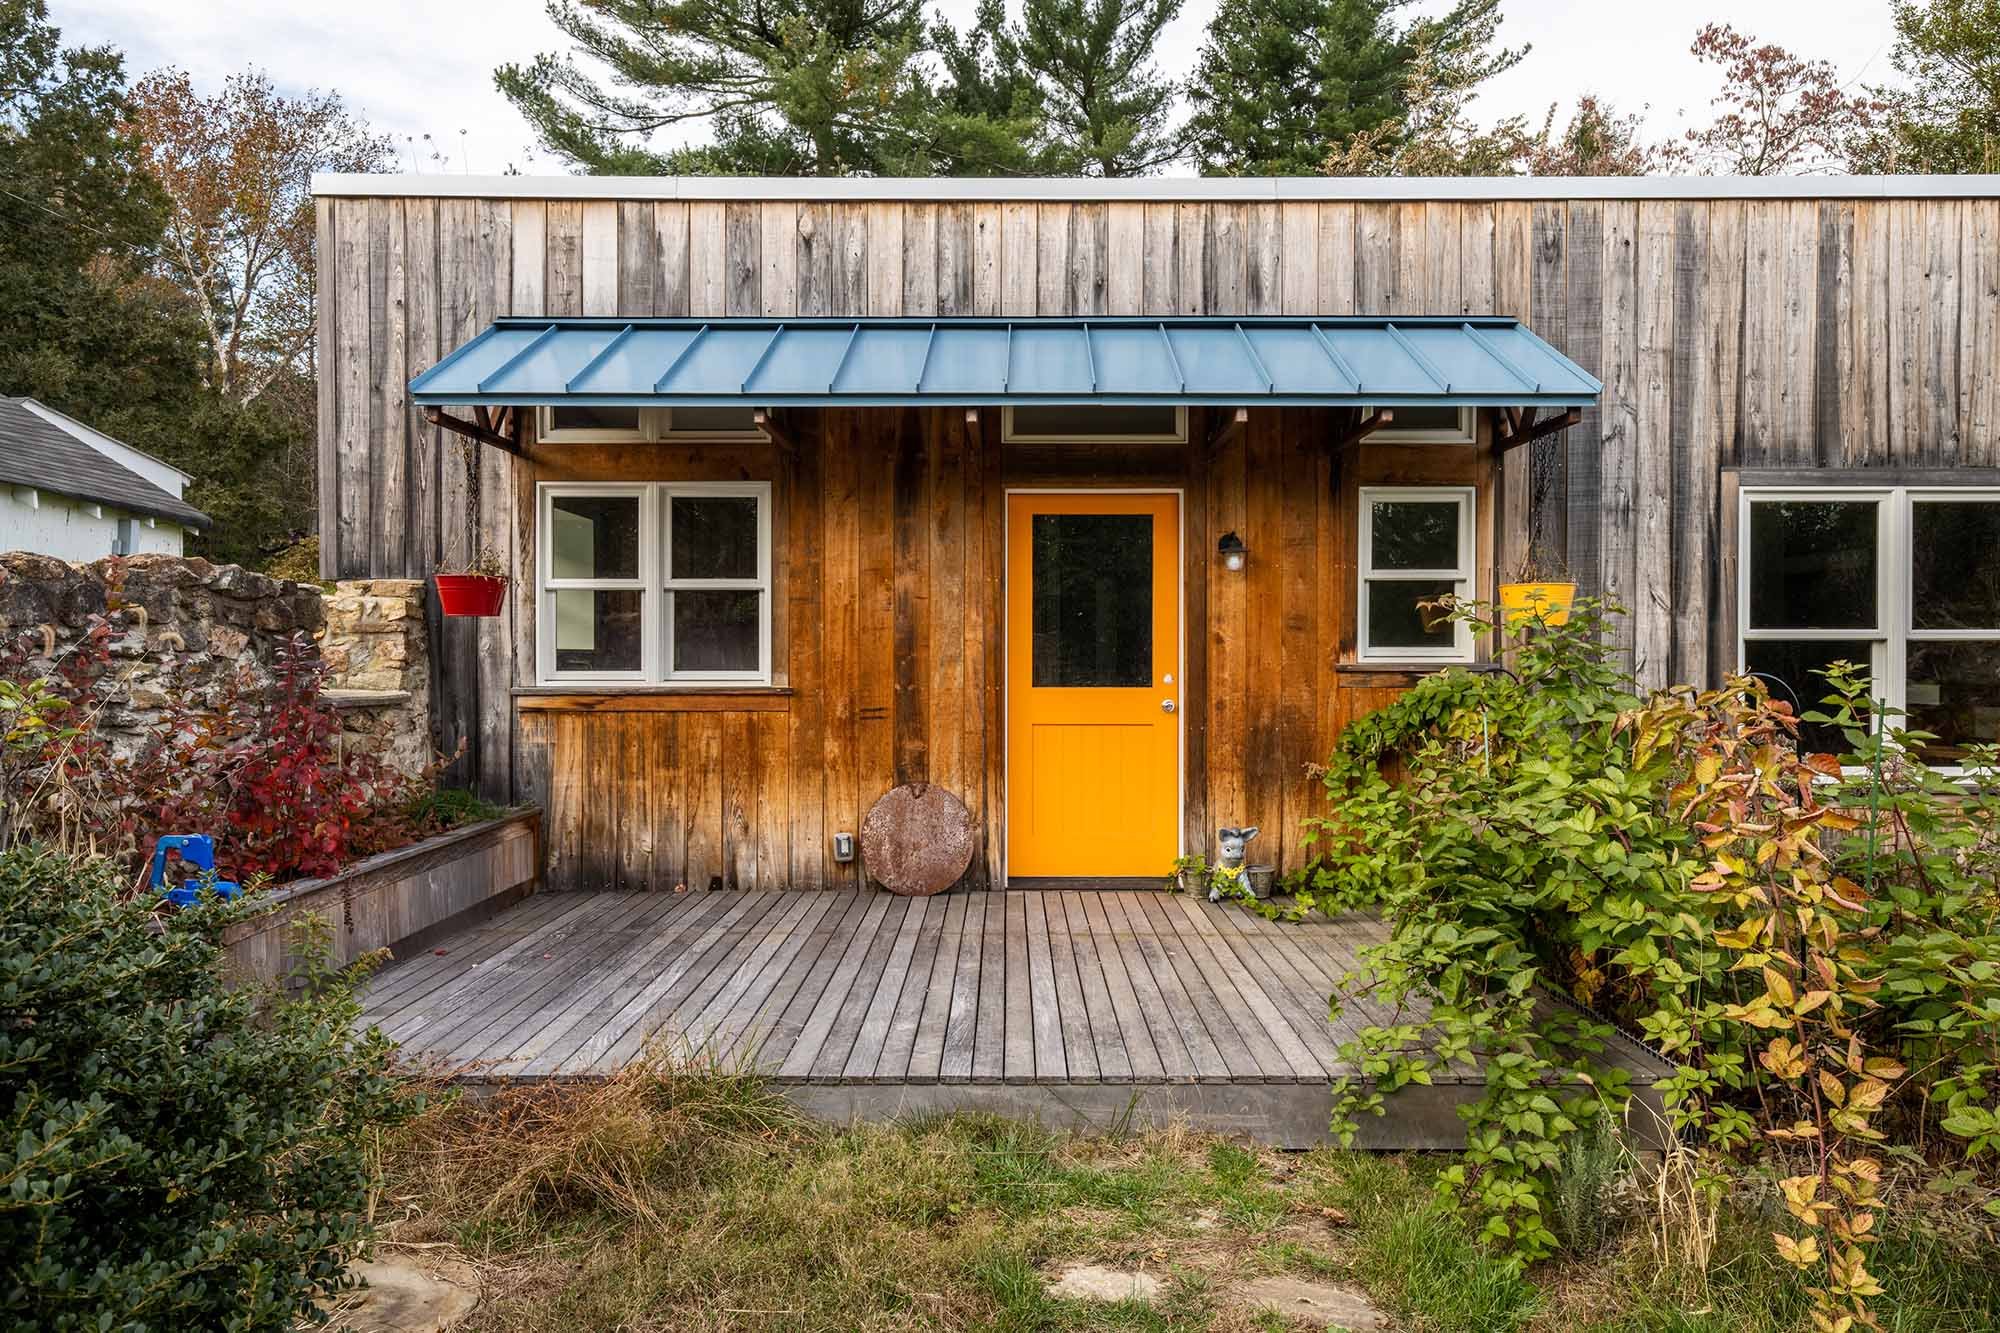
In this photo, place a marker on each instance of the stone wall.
(181, 624)
(379, 670)
(177, 624)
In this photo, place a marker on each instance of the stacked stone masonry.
(378, 668)
(183, 626)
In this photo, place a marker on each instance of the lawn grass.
(678, 1198)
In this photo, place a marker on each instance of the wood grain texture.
(1832, 332)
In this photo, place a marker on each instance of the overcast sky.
(425, 67)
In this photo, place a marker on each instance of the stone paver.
(1092, 1282)
(1320, 1303)
(407, 1295)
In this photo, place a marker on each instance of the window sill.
(583, 697)
(1366, 674)
(1417, 668)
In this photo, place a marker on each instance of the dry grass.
(679, 1196)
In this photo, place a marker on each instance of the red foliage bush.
(258, 766)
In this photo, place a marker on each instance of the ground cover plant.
(1810, 938)
(680, 1196)
(174, 1153)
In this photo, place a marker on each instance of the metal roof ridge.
(1095, 189)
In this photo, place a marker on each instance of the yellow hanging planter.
(1525, 602)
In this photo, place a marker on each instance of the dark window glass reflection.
(1955, 564)
(594, 537)
(597, 629)
(1093, 600)
(714, 537)
(715, 630)
(1415, 534)
(1395, 620)
(1435, 420)
(1798, 668)
(623, 420)
(1058, 421)
(713, 420)
(1812, 564)
(1953, 691)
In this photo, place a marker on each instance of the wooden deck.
(1086, 1008)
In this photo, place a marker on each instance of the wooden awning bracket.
(775, 431)
(1232, 426)
(1528, 430)
(1367, 426)
(502, 432)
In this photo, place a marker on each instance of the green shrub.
(175, 1154)
(1814, 941)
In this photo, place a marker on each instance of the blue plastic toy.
(197, 850)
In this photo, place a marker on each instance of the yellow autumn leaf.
(1832, 1088)
(1867, 1095)
(1780, 987)
(1810, 1001)
(1785, 1058)
(1803, 1253)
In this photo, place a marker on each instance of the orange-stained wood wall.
(888, 555)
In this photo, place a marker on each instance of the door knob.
(1166, 705)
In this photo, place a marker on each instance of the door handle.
(1166, 705)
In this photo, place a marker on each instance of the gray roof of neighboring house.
(38, 453)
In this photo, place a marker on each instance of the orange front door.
(1093, 684)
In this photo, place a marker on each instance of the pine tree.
(786, 87)
(1280, 81)
(1284, 85)
(1108, 108)
(988, 114)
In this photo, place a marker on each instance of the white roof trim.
(1091, 189)
(98, 440)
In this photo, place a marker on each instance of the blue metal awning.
(977, 362)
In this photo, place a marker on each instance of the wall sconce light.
(1234, 553)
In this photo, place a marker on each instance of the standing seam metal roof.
(1489, 360)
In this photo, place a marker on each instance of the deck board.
(1024, 1002)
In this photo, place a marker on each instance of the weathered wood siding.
(887, 661)
(1750, 332)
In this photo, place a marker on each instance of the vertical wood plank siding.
(1772, 333)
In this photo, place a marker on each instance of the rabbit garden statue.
(1229, 844)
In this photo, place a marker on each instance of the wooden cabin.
(1105, 505)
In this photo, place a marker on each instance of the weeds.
(682, 1196)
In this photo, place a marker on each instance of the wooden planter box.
(400, 901)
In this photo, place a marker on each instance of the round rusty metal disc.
(917, 840)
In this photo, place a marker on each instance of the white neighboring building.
(72, 492)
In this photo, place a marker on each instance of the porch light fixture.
(1234, 553)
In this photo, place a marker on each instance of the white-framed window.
(1062, 423)
(1440, 423)
(580, 423)
(664, 582)
(1416, 549)
(1900, 580)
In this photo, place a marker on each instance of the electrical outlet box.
(843, 847)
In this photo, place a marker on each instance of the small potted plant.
(1541, 591)
(1190, 875)
(478, 587)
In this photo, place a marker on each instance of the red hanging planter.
(471, 594)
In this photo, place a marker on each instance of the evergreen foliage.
(171, 1155)
(85, 325)
(1286, 86)
(791, 88)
